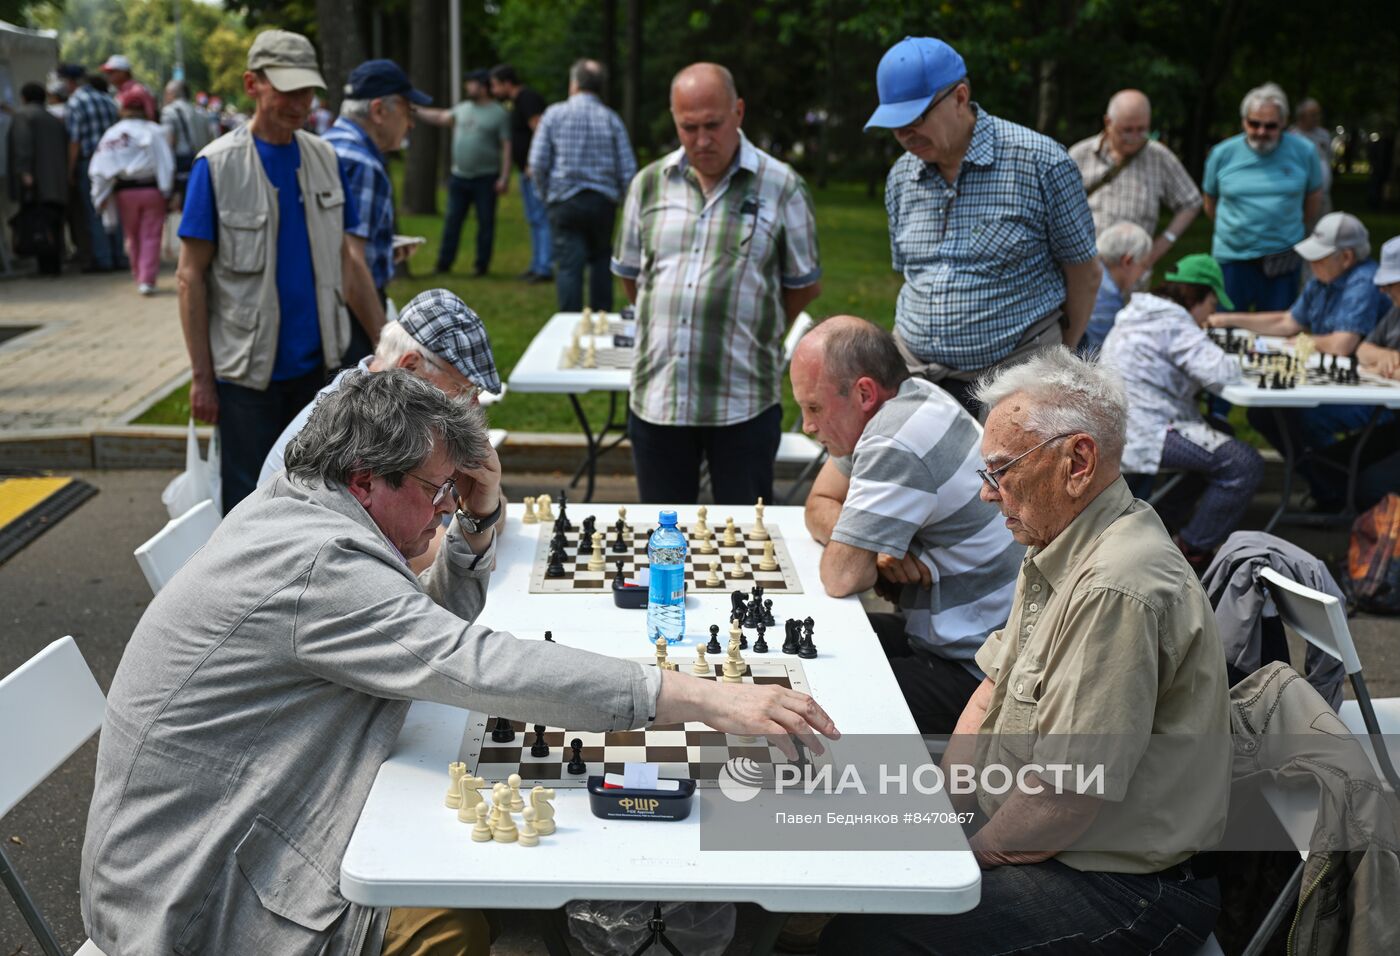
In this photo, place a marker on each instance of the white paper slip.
(640, 776)
(619, 780)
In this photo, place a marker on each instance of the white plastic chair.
(54, 697)
(173, 545)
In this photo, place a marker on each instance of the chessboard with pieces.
(585, 558)
(495, 748)
(586, 352)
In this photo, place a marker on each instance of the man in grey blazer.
(267, 682)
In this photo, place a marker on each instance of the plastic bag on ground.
(613, 928)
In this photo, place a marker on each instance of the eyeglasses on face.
(440, 492)
(1267, 127)
(992, 475)
(929, 109)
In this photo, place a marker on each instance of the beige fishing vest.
(244, 314)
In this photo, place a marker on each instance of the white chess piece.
(471, 798)
(517, 802)
(544, 810)
(738, 569)
(529, 836)
(590, 356)
(701, 526)
(529, 517)
(600, 323)
(595, 560)
(455, 770)
(622, 516)
(758, 532)
(662, 646)
(733, 663)
(701, 666)
(768, 562)
(481, 833)
(505, 831)
(713, 579)
(707, 542)
(729, 538)
(542, 503)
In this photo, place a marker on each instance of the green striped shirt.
(710, 271)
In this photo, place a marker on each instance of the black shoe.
(535, 278)
(441, 270)
(526, 276)
(91, 270)
(479, 271)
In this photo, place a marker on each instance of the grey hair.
(359, 109)
(1124, 239)
(1067, 395)
(1269, 94)
(386, 423)
(395, 343)
(589, 76)
(859, 349)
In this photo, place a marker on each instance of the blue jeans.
(1232, 473)
(107, 251)
(250, 422)
(1249, 289)
(464, 193)
(582, 227)
(538, 219)
(1048, 908)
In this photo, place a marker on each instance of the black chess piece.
(1263, 381)
(790, 643)
(563, 519)
(503, 732)
(619, 544)
(539, 748)
(807, 649)
(808, 625)
(743, 641)
(621, 574)
(768, 613)
(590, 525)
(760, 646)
(576, 765)
(549, 636)
(736, 603)
(713, 647)
(555, 568)
(558, 542)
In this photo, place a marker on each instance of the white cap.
(1389, 270)
(1333, 232)
(117, 62)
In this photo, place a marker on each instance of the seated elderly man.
(897, 509)
(1338, 307)
(1109, 634)
(1125, 251)
(269, 679)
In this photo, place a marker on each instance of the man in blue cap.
(375, 116)
(988, 224)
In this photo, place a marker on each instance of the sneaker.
(146, 288)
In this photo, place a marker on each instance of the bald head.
(1126, 124)
(704, 80)
(842, 372)
(1129, 103)
(708, 113)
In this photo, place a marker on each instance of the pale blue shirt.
(1259, 198)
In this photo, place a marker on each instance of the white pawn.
(701, 667)
(517, 802)
(543, 503)
(455, 770)
(600, 324)
(481, 833)
(707, 542)
(738, 568)
(768, 562)
(758, 532)
(505, 831)
(544, 810)
(701, 514)
(529, 517)
(729, 537)
(590, 356)
(713, 579)
(529, 836)
(622, 516)
(595, 560)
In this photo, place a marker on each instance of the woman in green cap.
(1159, 344)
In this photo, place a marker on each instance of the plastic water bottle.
(666, 594)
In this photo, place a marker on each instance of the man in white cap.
(118, 70)
(267, 264)
(988, 224)
(1338, 307)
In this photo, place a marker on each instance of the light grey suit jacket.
(254, 704)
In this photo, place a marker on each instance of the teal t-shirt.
(1259, 199)
(478, 130)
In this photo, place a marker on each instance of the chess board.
(689, 751)
(608, 357)
(578, 579)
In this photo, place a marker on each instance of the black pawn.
(808, 625)
(621, 574)
(760, 646)
(503, 733)
(768, 613)
(556, 564)
(576, 765)
(743, 641)
(539, 748)
(807, 650)
(549, 636)
(790, 642)
(713, 647)
(619, 544)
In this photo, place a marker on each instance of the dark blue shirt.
(1349, 303)
(299, 331)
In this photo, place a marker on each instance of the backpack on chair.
(1372, 577)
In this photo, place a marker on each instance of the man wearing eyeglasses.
(897, 509)
(1263, 188)
(1110, 658)
(988, 224)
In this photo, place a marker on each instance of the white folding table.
(408, 850)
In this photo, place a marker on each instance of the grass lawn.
(857, 280)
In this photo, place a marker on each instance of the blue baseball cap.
(911, 73)
(373, 79)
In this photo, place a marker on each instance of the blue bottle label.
(667, 585)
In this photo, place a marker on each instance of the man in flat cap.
(268, 264)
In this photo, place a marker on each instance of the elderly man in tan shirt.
(1110, 659)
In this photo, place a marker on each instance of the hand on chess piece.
(769, 710)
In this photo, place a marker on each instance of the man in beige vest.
(267, 265)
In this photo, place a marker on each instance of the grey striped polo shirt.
(914, 489)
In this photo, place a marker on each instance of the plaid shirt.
(1155, 178)
(581, 144)
(981, 258)
(87, 116)
(363, 167)
(710, 272)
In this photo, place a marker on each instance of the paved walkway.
(100, 352)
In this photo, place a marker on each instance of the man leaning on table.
(718, 249)
(269, 679)
(1110, 634)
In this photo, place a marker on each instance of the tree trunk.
(632, 85)
(1221, 50)
(610, 48)
(339, 28)
(425, 40)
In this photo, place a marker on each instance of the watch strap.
(474, 525)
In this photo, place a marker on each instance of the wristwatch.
(474, 525)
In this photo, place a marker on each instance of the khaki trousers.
(433, 932)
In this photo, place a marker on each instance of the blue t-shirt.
(1259, 199)
(299, 331)
(1349, 303)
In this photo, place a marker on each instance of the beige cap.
(288, 60)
